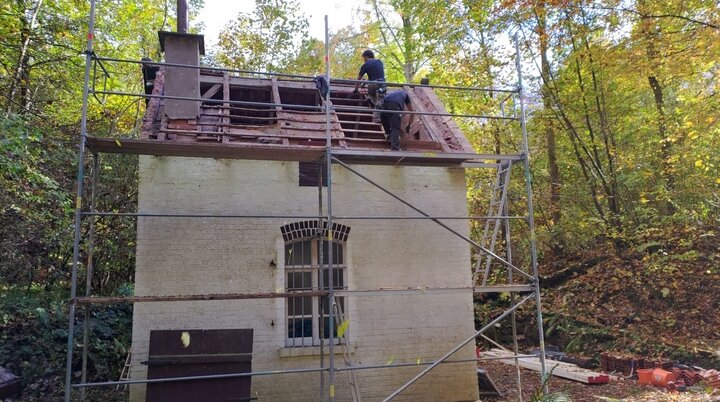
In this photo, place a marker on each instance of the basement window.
(251, 115)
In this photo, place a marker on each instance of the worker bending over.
(394, 103)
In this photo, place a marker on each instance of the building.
(253, 150)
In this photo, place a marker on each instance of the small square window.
(308, 174)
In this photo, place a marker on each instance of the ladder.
(498, 208)
(340, 319)
(125, 373)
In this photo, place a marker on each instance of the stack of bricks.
(628, 365)
(711, 378)
(688, 376)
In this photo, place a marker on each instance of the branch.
(643, 15)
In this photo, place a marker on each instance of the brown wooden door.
(185, 353)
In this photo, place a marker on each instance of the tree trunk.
(557, 240)
(21, 77)
(650, 34)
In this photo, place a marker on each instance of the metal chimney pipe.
(182, 16)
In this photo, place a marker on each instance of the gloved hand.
(407, 128)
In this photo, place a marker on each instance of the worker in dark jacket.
(375, 72)
(394, 103)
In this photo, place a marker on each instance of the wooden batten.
(221, 123)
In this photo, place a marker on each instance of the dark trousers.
(391, 123)
(373, 87)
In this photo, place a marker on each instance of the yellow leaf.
(390, 361)
(644, 200)
(698, 163)
(118, 143)
(342, 328)
(185, 339)
(418, 360)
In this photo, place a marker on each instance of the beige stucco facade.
(209, 255)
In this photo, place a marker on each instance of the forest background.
(623, 112)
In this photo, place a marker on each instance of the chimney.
(182, 48)
(182, 16)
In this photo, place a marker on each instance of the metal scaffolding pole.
(295, 106)
(289, 371)
(336, 217)
(89, 269)
(456, 348)
(513, 317)
(321, 324)
(307, 78)
(328, 165)
(78, 203)
(325, 225)
(531, 219)
(446, 227)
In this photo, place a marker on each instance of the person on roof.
(394, 103)
(375, 71)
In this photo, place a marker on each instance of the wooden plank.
(431, 129)
(275, 94)
(451, 133)
(225, 112)
(296, 152)
(256, 82)
(212, 91)
(556, 368)
(206, 150)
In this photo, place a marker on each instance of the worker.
(376, 75)
(395, 102)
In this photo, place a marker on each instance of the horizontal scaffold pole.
(478, 290)
(289, 371)
(303, 77)
(294, 106)
(241, 216)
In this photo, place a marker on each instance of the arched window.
(307, 317)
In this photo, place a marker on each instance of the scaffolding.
(496, 221)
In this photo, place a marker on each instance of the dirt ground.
(504, 377)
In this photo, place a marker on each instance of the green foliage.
(34, 205)
(267, 39)
(34, 335)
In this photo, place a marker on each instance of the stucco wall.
(209, 255)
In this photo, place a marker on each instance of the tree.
(267, 39)
(413, 33)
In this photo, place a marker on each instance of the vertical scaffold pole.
(89, 269)
(78, 202)
(331, 285)
(513, 296)
(321, 324)
(530, 218)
